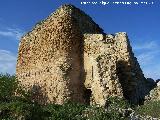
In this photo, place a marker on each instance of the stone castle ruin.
(68, 57)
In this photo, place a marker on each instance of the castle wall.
(47, 58)
(50, 58)
(111, 68)
(128, 70)
(68, 57)
(100, 68)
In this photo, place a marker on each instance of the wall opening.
(87, 95)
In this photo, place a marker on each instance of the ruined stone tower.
(68, 57)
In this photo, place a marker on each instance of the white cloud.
(146, 45)
(7, 62)
(152, 72)
(14, 33)
(8, 59)
(147, 55)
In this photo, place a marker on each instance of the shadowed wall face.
(129, 72)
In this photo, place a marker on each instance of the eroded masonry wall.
(129, 72)
(50, 58)
(100, 68)
(111, 68)
(68, 57)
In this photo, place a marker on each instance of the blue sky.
(141, 22)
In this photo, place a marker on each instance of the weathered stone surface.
(158, 82)
(154, 94)
(68, 57)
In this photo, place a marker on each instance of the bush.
(99, 113)
(110, 112)
(8, 86)
(19, 106)
(15, 104)
(151, 108)
(117, 102)
(21, 110)
(68, 111)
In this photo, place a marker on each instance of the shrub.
(13, 107)
(22, 110)
(8, 86)
(99, 113)
(110, 112)
(151, 108)
(116, 102)
(68, 111)
(21, 107)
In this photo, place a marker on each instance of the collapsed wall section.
(111, 68)
(100, 68)
(129, 72)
